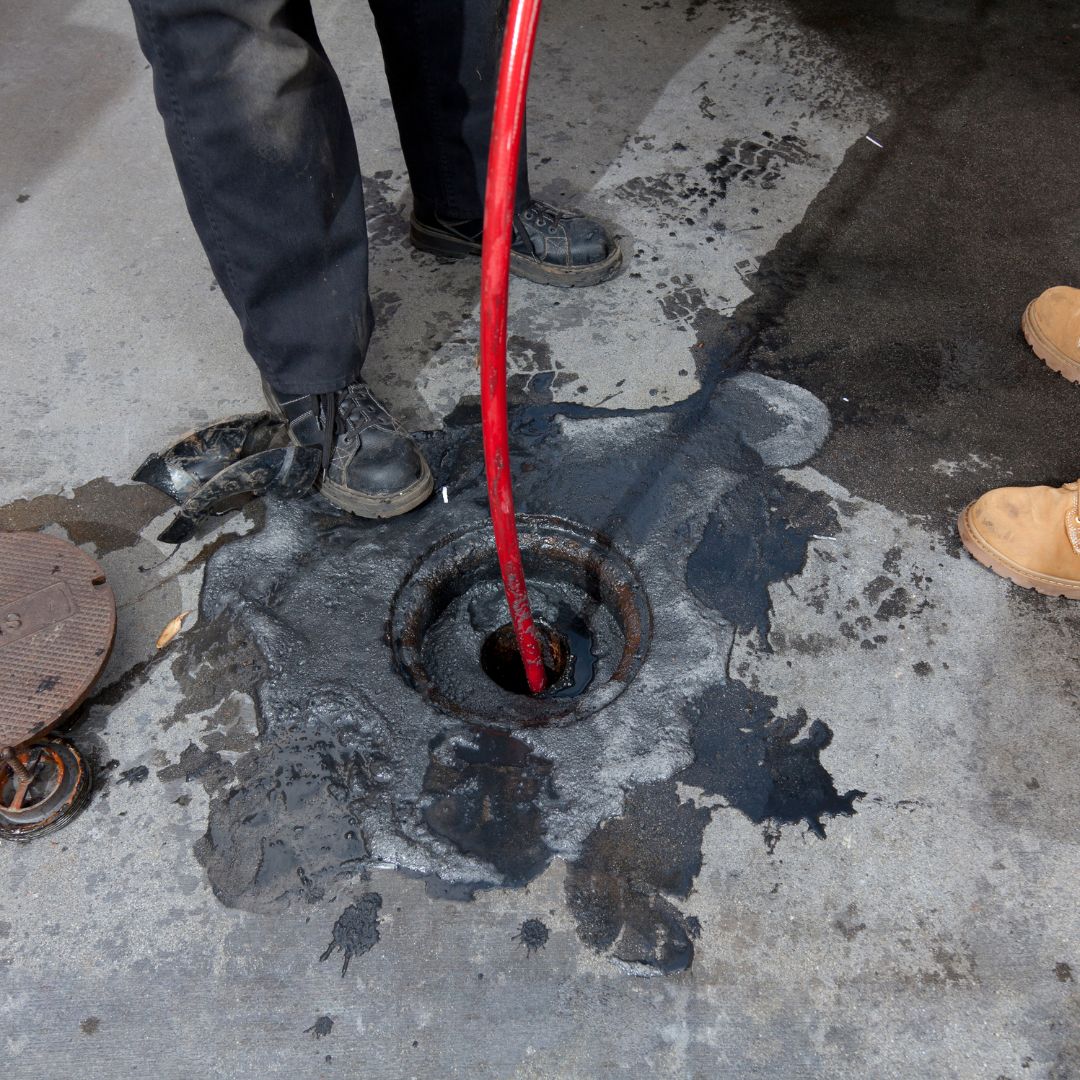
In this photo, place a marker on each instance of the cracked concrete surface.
(829, 328)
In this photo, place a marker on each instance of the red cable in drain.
(518, 41)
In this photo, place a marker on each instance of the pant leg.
(442, 64)
(264, 150)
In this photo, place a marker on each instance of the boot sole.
(1045, 349)
(563, 277)
(370, 506)
(367, 506)
(993, 560)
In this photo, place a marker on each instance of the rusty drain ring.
(56, 790)
(458, 561)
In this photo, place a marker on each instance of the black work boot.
(551, 246)
(370, 467)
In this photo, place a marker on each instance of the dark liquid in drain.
(569, 661)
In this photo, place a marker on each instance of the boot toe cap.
(1055, 318)
(386, 466)
(1025, 529)
(589, 241)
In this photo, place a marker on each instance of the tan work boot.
(1051, 325)
(1030, 535)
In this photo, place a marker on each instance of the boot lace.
(348, 413)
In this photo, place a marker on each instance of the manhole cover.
(452, 642)
(57, 623)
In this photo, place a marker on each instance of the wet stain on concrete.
(758, 536)
(487, 799)
(683, 302)
(135, 775)
(758, 162)
(619, 889)
(318, 761)
(321, 1028)
(220, 658)
(196, 763)
(356, 930)
(764, 765)
(327, 774)
(286, 823)
(101, 513)
(533, 935)
(847, 924)
(533, 375)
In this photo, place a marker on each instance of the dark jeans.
(264, 149)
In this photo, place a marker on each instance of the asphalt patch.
(897, 299)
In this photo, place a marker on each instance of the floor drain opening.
(569, 659)
(452, 641)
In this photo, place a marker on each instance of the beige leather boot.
(1052, 327)
(1030, 535)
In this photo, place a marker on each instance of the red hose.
(506, 128)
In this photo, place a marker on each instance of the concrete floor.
(841, 320)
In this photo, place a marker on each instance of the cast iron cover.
(57, 624)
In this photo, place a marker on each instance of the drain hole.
(568, 656)
(501, 661)
(452, 641)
